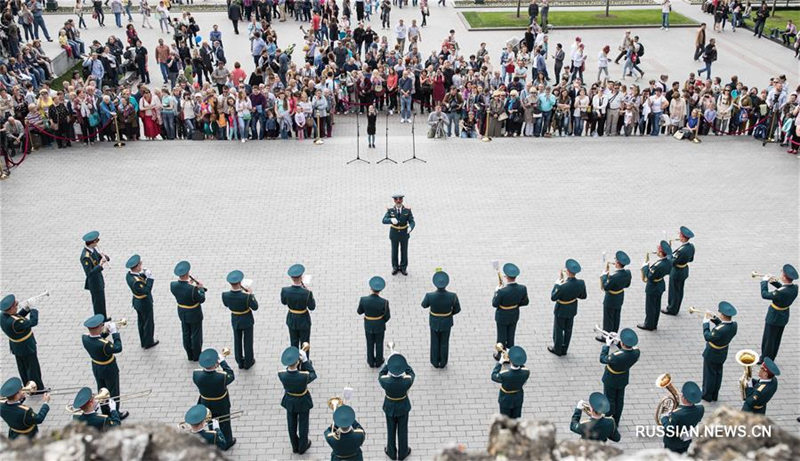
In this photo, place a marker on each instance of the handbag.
(94, 119)
(502, 117)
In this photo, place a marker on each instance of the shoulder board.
(524, 368)
(331, 434)
(407, 208)
(104, 341)
(360, 431)
(304, 372)
(617, 353)
(221, 372)
(406, 377)
(761, 387)
(87, 253)
(23, 407)
(199, 369)
(504, 371)
(16, 318)
(384, 377)
(101, 416)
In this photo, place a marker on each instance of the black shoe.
(233, 442)
(403, 271)
(641, 326)
(408, 453)
(600, 339)
(108, 319)
(395, 271)
(553, 351)
(123, 415)
(250, 365)
(668, 312)
(152, 345)
(303, 450)
(386, 450)
(378, 363)
(241, 367)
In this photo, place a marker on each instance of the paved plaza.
(264, 206)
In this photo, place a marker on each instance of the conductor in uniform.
(140, 283)
(93, 263)
(679, 272)
(653, 275)
(345, 436)
(210, 432)
(212, 384)
(443, 306)
(299, 300)
(617, 372)
(103, 355)
(760, 390)
(21, 419)
(299, 373)
(401, 222)
(614, 285)
(717, 339)
(89, 414)
(190, 299)
(376, 313)
(241, 303)
(21, 339)
(512, 375)
(778, 311)
(682, 419)
(507, 301)
(566, 294)
(396, 378)
(600, 427)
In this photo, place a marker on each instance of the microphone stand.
(358, 148)
(413, 142)
(386, 158)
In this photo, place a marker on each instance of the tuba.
(746, 358)
(669, 403)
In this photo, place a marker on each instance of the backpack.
(640, 51)
(760, 132)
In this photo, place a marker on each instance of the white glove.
(765, 278)
(215, 424)
(603, 273)
(112, 327)
(220, 359)
(644, 265)
(579, 405)
(749, 383)
(557, 282)
(303, 356)
(394, 221)
(112, 404)
(148, 274)
(609, 341)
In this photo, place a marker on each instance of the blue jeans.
(128, 12)
(189, 125)
(243, 127)
(577, 125)
(470, 135)
(452, 120)
(405, 107)
(118, 19)
(542, 124)
(665, 20)
(164, 71)
(38, 21)
(706, 69)
(656, 124)
(169, 124)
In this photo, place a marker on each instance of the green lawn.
(640, 17)
(778, 21)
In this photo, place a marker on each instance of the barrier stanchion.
(119, 142)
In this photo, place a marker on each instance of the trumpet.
(120, 324)
(226, 351)
(305, 347)
(647, 263)
(758, 275)
(391, 345)
(209, 418)
(613, 335)
(746, 358)
(496, 266)
(26, 390)
(587, 408)
(500, 353)
(669, 403)
(247, 284)
(562, 276)
(103, 396)
(694, 310)
(28, 303)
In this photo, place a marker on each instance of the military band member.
(507, 301)
(299, 373)
(102, 352)
(241, 302)
(443, 306)
(93, 263)
(716, 352)
(140, 283)
(376, 313)
(653, 275)
(22, 420)
(401, 222)
(679, 272)
(566, 294)
(190, 310)
(210, 432)
(680, 421)
(396, 378)
(614, 284)
(778, 311)
(345, 436)
(88, 406)
(760, 390)
(21, 340)
(617, 372)
(512, 379)
(212, 384)
(299, 300)
(600, 427)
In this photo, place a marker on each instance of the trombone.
(612, 335)
(758, 275)
(27, 390)
(669, 403)
(28, 303)
(103, 396)
(746, 358)
(209, 418)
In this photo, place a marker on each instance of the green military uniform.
(21, 340)
(679, 272)
(566, 296)
(443, 306)
(299, 301)
(778, 311)
(760, 391)
(376, 313)
(196, 417)
(90, 261)
(601, 428)
(716, 351)
(399, 233)
(617, 372)
(212, 384)
(507, 301)
(296, 398)
(346, 436)
(92, 418)
(654, 277)
(614, 285)
(241, 305)
(141, 287)
(22, 420)
(104, 362)
(512, 379)
(190, 311)
(396, 378)
(678, 423)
